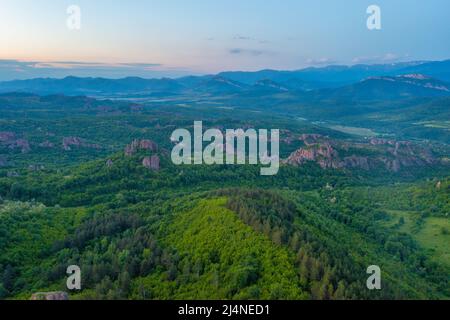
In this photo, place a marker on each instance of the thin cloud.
(245, 38)
(386, 58)
(320, 62)
(249, 38)
(16, 69)
(252, 52)
(77, 64)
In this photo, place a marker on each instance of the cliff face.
(393, 155)
(323, 154)
(356, 162)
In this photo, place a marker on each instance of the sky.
(171, 38)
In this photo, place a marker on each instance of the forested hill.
(214, 232)
(82, 184)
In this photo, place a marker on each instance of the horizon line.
(350, 65)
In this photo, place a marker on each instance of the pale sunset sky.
(156, 38)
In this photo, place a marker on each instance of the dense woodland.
(158, 238)
(207, 232)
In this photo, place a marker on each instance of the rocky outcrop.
(310, 139)
(69, 142)
(391, 164)
(427, 156)
(148, 145)
(152, 163)
(380, 142)
(393, 155)
(137, 145)
(12, 174)
(149, 162)
(327, 158)
(36, 167)
(323, 154)
(57, 295)
(356, 162)
(21, 144)
(109, 163)
(46, 144)
(7, 137)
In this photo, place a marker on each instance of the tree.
(3, 292)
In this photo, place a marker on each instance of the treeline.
(274, 216)
(111, 251)
(127, 182)
(429, 198)
(327, 264)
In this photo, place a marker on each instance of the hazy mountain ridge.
(389, 87)
(229, 82)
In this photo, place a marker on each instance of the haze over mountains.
(363, 82)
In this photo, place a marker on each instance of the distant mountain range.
(388, 87)
(335, 76)
(92, 86)
(358, 82)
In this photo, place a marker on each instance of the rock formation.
(69, 142)
(9, 139)
(393, 155)
(57, 295)
(378, 142)
(323, 154)
(46, 144)
(148, 145)
(356, 162)
(12, 174)
(310, 139)
(137, 145)
(21, 144)
(152, 163)
(36, 167)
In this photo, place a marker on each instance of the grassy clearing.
(433, 235)
(435, 124)
(409, 218)
(363, 132)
